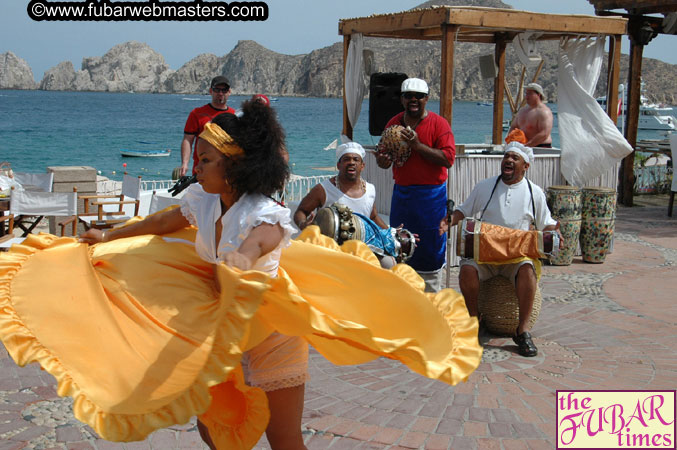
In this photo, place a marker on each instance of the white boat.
(651, 115)
(145, 153)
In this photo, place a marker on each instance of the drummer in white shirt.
(512, 201)
(347, 188)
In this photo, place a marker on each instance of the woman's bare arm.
(261, 240)
(161, 223)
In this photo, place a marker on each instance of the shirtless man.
(535, 118)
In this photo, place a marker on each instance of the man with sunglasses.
(419, 198)
(219, 89)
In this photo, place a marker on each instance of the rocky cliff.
(15, 73)
(132, 66)
(252, 68)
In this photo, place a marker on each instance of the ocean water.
(41, 128)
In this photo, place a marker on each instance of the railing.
(297, 187)
(653, 179)
(154, 185)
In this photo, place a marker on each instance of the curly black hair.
(263, 168)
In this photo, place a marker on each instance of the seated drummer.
(347, 188)
(512, 201)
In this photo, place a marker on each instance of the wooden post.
(347, 127)
(499, 90)
(613, 77)
(631, 120)
(447, 73)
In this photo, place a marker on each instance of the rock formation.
(15, 73)
(59, 78)
(132, 66)
(252, 68)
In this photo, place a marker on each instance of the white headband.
(349, 147)
(525, 152)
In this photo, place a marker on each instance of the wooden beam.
(347, 127)
(486, 18)
(631, 121)
(447, 72)
(499, 91)
(409, 20)
(528, 21)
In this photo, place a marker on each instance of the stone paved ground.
(606, 326)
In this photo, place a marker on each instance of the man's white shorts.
(486, 271)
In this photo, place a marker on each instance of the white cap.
(535, 87)
(415, 85)
(525, 152)
(349, 147)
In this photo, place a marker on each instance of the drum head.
(328, 221)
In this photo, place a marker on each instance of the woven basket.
(499, 307)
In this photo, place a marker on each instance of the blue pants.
(420, 208)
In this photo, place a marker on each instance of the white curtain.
(590, 141)
(355, 85)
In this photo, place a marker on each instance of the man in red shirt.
(220, 91)
(420, 192)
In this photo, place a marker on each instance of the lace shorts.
(278, 362)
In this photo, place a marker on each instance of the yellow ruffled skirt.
(143, 334)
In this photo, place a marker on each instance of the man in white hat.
(509, 200)
(347, 188)
(419, 198)
(534, 118)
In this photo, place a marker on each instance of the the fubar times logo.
(615, 419)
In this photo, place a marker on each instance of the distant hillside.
(252, 68)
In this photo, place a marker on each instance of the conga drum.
(597, 227)
(488, 243)
(565, 205)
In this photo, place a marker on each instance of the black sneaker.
(525, 346)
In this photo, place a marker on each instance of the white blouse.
(202, 210)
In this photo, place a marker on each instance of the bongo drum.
(338, 222)
(564, 203)
(597, 227)
(341, 224)
(486, 242)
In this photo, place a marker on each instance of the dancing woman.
(149, 326)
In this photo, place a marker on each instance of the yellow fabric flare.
(143, 334)
(221, 140)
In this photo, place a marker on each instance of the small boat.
(145, 153)
(484, 104)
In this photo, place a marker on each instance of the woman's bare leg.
(286, 409)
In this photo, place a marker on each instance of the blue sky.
(293, 27)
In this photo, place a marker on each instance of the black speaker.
(384, 99)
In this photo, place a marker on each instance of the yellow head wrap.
(221, 140)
